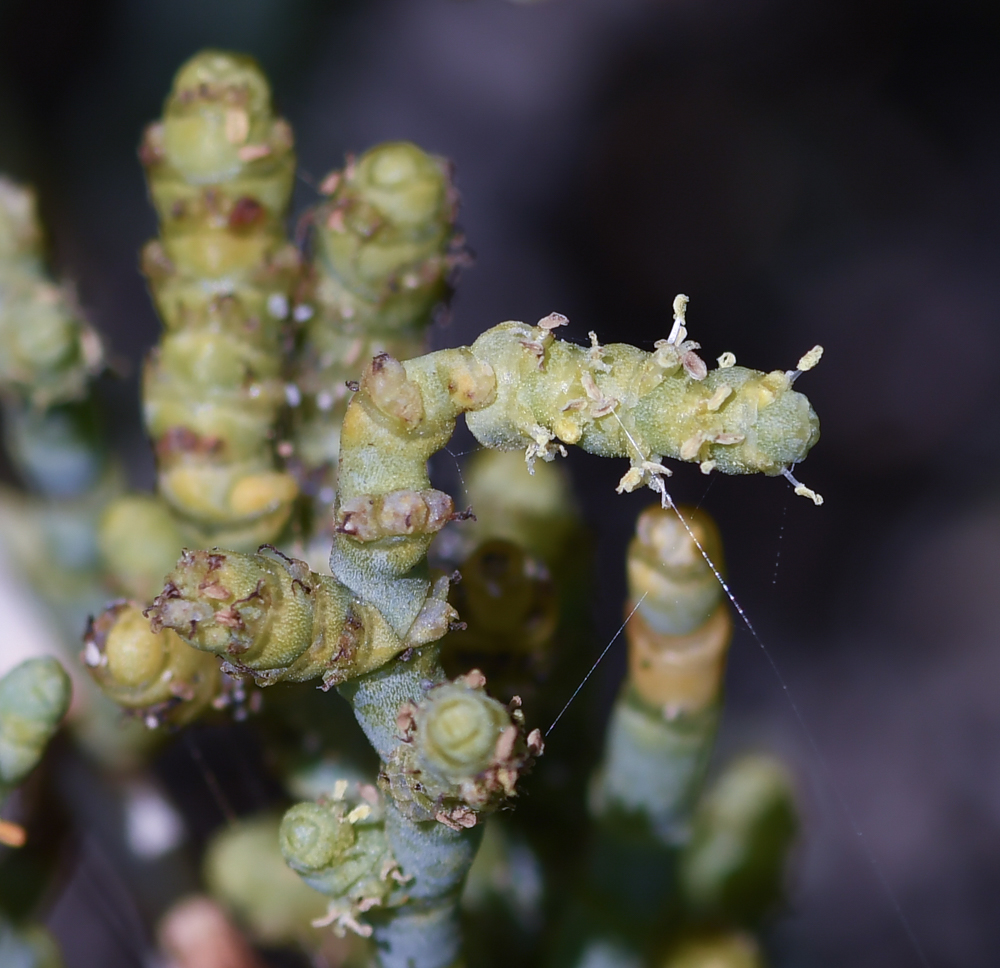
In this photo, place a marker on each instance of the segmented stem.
(220, 167)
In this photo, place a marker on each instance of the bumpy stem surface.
(522, 388)
(384, 251)
(220, 167)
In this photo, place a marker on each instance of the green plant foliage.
(49, 350)
(292, 408)
(220, 168)
(34, 697)
(384, 249)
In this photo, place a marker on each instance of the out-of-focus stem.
(48, 356)
(48, 352)
(733, 869)
(384, 249)
(220, 167)
(718, 949)
(664, 721)
(34, 697)
(29, 946)
(660, 734)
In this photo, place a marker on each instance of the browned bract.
(386, 383)
(397, 513)
(183, 440)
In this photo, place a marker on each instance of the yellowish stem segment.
(663, 723)
(721, 949)
(153, 673)
(680, 630)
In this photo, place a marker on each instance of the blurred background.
(824, 172)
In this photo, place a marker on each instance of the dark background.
(826, 171)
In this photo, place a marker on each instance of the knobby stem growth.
(220, 167)
(372, 628)
(392, 859)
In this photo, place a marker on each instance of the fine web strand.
(117, 912)
(781, 534)
(667, 501)
(458, 465)
(593, 668)
(105, 915)
(211, 781)
(820, 759)
(307, 179)
(704, 494)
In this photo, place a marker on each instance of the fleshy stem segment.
(384, 256)
(48, 355)
(220, 168)
(34, 697)
(660, 734)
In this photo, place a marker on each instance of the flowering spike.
(339, 847)
(220, 168)
(385, 254)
